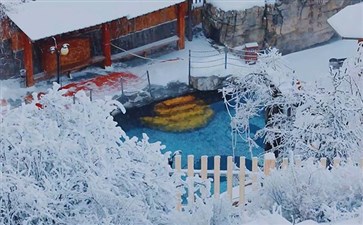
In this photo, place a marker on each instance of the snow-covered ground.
(311, 66)
(275, 219)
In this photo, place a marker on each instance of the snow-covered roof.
(45, 18)
(348, 22)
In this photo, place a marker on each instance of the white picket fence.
(268, 165)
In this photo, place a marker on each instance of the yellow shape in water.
(179, 114)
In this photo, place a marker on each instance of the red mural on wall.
(79, 55)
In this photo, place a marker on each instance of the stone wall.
(290, 25)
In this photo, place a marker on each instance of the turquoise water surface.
(213, 139)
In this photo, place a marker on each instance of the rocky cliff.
(290, 25)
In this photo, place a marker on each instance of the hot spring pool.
(213, 139)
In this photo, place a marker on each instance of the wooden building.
(93, 30)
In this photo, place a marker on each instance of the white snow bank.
(312, 65)
(271, 219)
(349, 21)
(355, 221)
(227, 5)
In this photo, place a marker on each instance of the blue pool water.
(213, 139)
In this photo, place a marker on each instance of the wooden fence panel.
(336, 162)
(285, 163)
(242, 174)
(269, 164)
(217, 173)
(204, 167)
(254, 173)
(191, 179)
(178, 170)
(229, 177)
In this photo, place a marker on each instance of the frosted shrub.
(63, 162)
(210, 212)
(311, 192)
(313, 121)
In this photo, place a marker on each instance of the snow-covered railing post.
(122, 86)
(148, 82)
(178, 170)
(225, 57)
(241, 176)
(90, 95)
(190, 67)
(190, 179)
(229, 177)
(217, 173)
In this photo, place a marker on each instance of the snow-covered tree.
(64, 161)
(311, 121)
(7, 5)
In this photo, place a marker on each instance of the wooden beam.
(106, 44)
(190, 20)
(28, 60)
(181, 24)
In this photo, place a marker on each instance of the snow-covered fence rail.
(218, 60)
(132, 86)
(246, 178)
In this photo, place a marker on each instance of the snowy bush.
(312, 192)
(312, 121)
(64, 162)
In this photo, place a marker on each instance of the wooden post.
(191, 178)
(323, 162)
(190, 68)
(181, 24)
(28, 60)
(336, 162)
(241, 176)
(269, 163)
(190, 20)
(149, 84)
(106, 44)
(217, 173)
(254, 173)
(285, 163)
(204, 168)
(297, 161)
(178, 170)
(229, 177)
